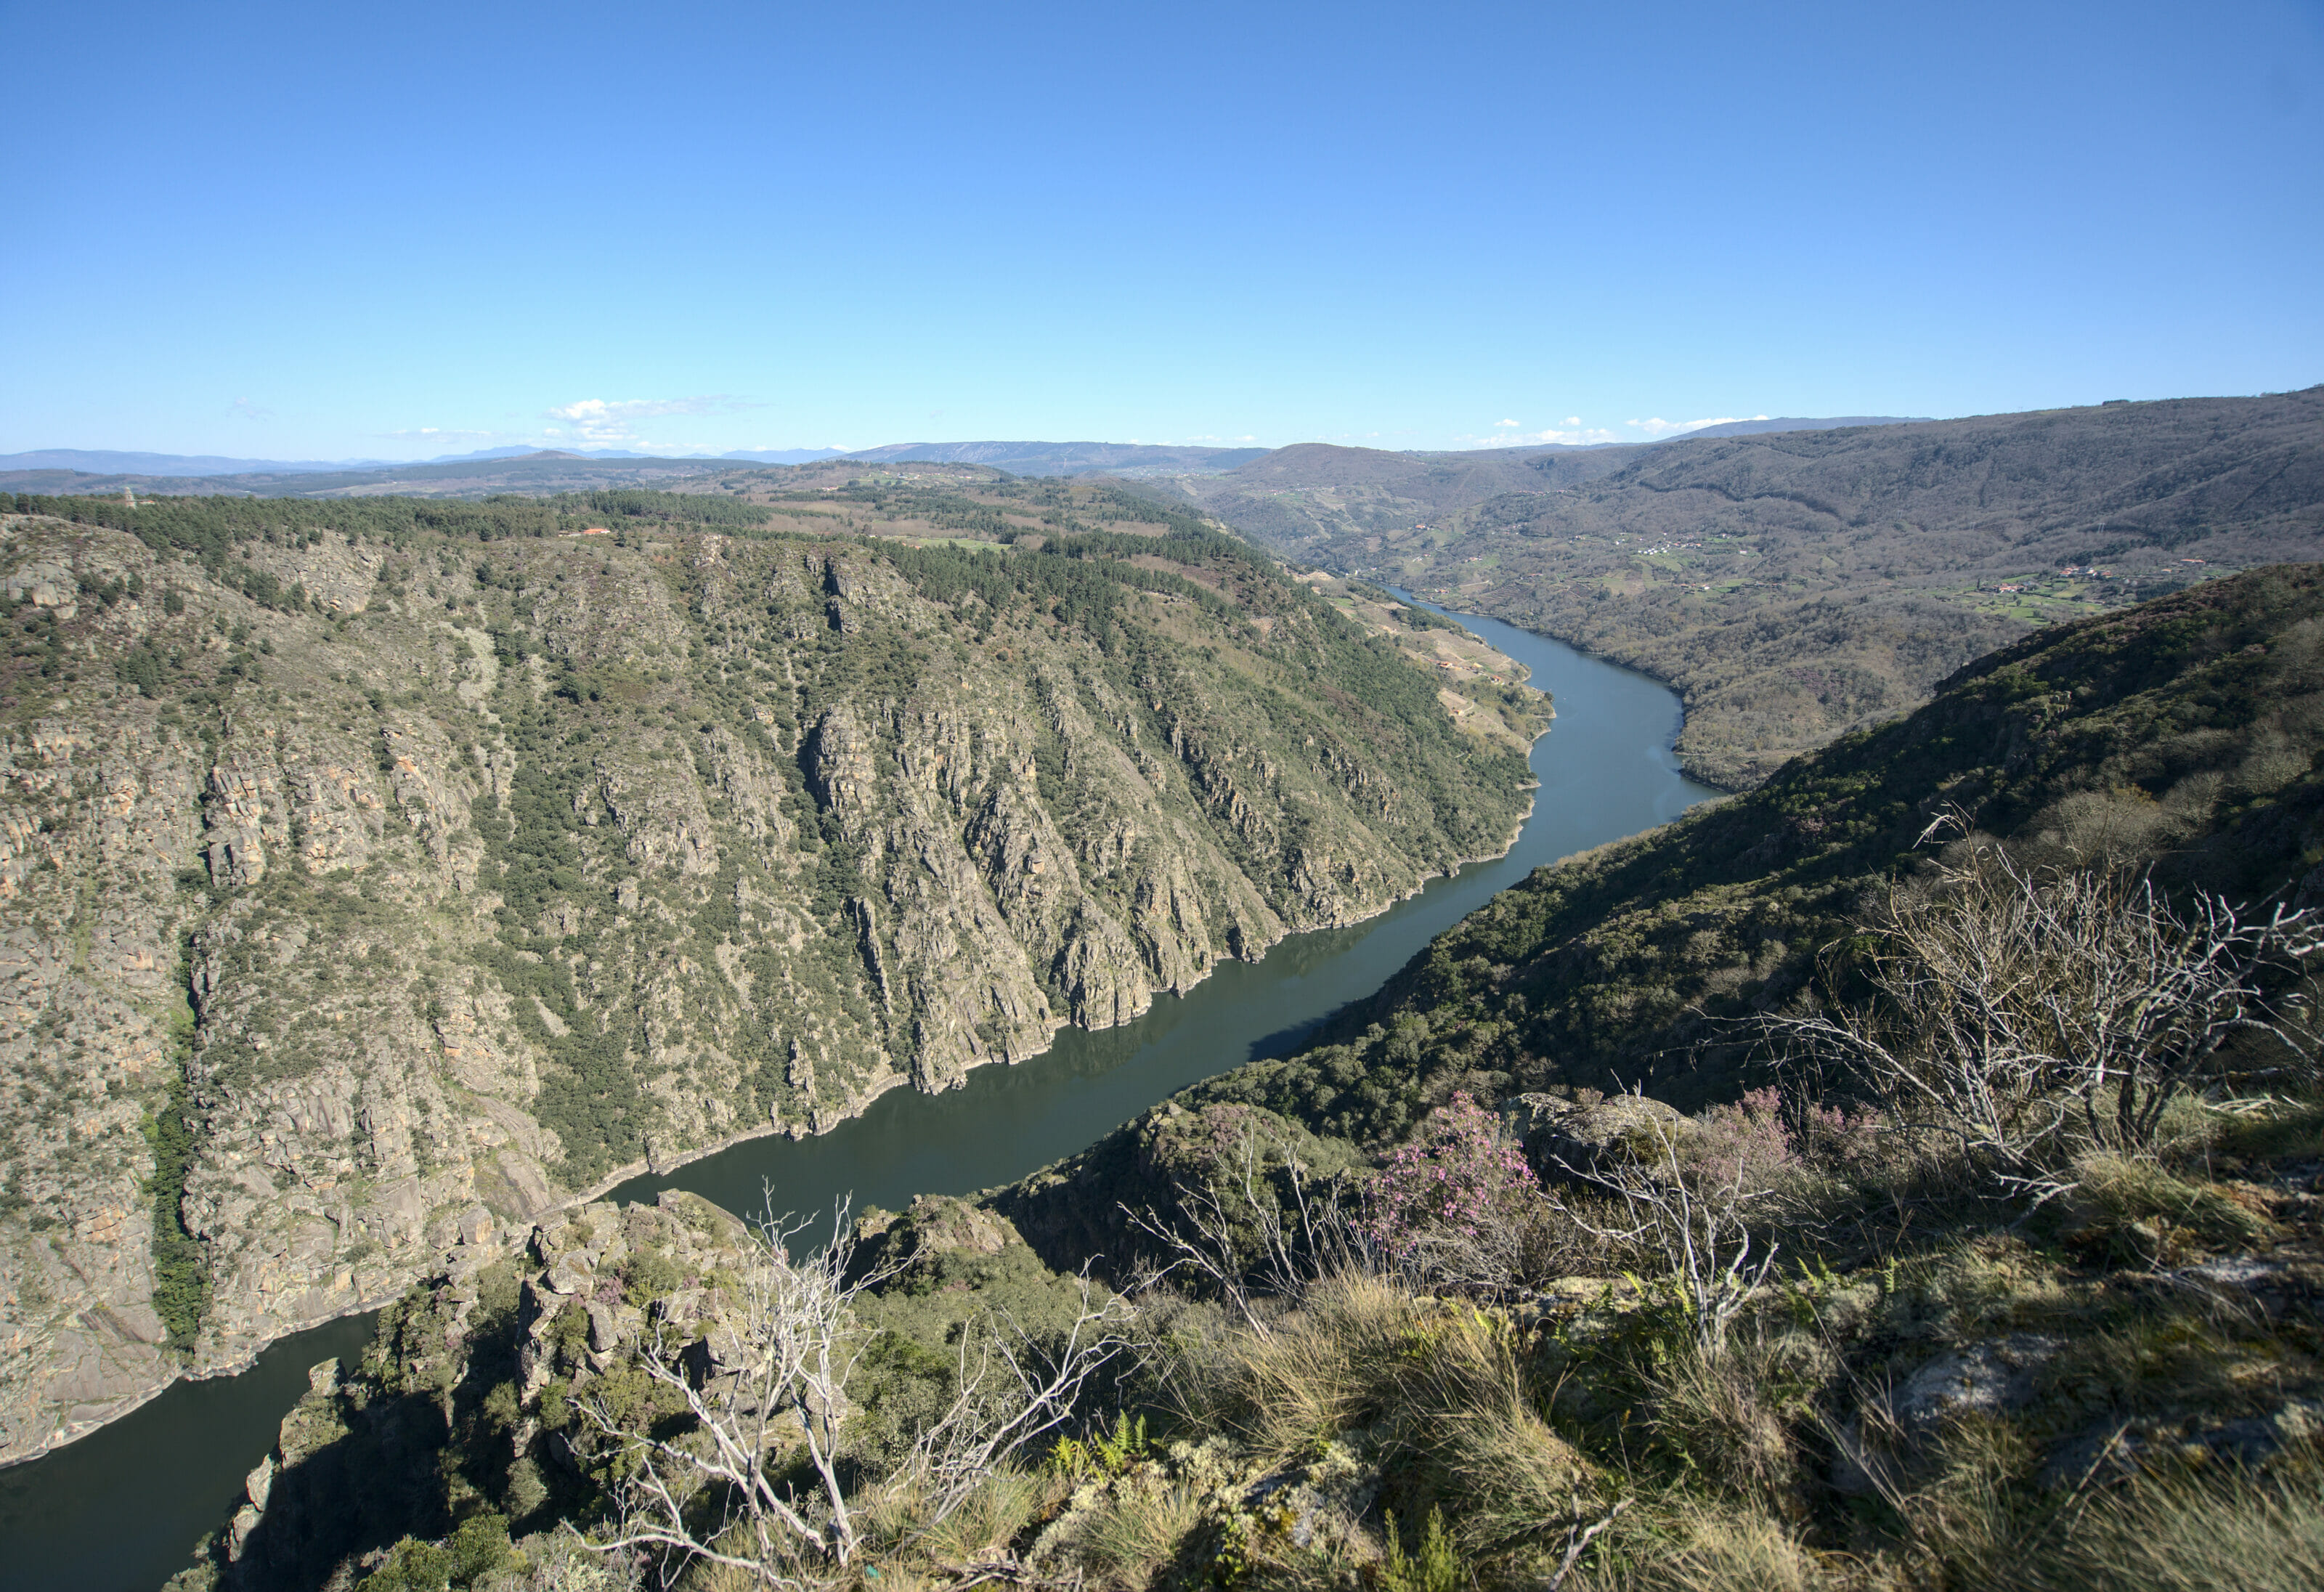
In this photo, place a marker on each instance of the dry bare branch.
(1013, 1387)
(776, 1384)
(1291, 1253)
(2025, 1015)
(1706, 1244)
(778, 1374)
(1578, 1539)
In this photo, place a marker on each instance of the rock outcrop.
(351, 884)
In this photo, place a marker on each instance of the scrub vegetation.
(1964, 1232)
(1799, 585)
(383, 870)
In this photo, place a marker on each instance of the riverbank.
(796, 1133)
(653, 1167)
(1605, 773)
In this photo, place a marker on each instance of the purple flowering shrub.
(1461, 1178)
(1745, 1145)
(1750, 1146)
(1839, 1139)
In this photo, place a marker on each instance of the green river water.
(120, 1510)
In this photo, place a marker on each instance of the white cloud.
(612, 422)
(251, 410)
(1662, 428)
(1572, 434)
(1512, 423)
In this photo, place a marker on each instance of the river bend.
(120, 1510)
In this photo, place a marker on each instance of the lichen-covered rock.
(1989, 1378)
(2112, 1449)
(1581, 1133)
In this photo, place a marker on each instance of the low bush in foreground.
(1835, 1335)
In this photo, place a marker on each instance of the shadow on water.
(122, 1508)
(1606, 771)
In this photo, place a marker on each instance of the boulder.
(1993, 1377)
(933, 1225)
(570, 1272)
(1581, 1135)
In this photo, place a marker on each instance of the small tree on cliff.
(771, 1384)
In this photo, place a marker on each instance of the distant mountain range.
(72, 469)
(106, 461)
(113, 462)
(1018, 458)
(538, 471)
(1067, 458)
(1437, 477)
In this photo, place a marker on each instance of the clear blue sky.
(328, 231)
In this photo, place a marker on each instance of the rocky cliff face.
(473, 1388)
(358, 1461)
(356, 890)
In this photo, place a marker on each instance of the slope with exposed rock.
(1411, 1338)
(376, 879)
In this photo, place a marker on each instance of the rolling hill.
(1798, 583)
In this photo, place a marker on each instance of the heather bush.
(1746, 1143)
(1843, 1140)
(1460, 1189)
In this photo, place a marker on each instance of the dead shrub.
(2027, 1016)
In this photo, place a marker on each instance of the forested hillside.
(1965, 1233)
(384, 869)
(1799, 584)
(2184, 734)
